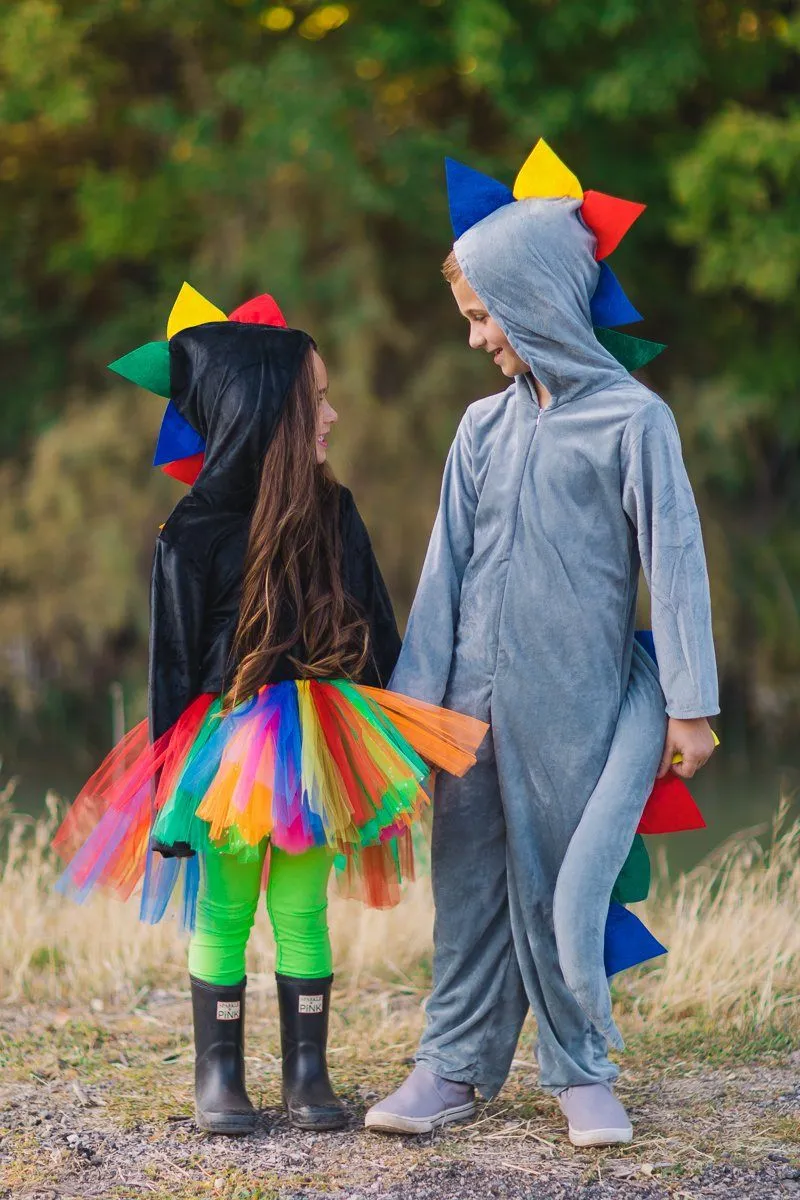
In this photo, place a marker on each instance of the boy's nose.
(476, 338)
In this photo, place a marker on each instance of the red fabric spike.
(609, 219)
(185, 469)
(670, 808)
(261, 310)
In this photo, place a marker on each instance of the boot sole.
(601, 1137)
(227, 1124)
(319, 1123)
(384, 1122)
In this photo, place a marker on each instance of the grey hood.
(532, 264)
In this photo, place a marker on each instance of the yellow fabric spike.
(191, 309)
(545, 176)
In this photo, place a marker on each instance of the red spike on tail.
(670, 808)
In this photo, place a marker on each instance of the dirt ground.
(98, 1104)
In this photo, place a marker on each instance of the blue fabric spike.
(176, 439)
(646, 640)
(627, 942)
(472, 195)
(610, 306)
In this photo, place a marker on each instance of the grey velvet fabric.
(524, 616)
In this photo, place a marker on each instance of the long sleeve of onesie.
(658, 500)
(424, 666)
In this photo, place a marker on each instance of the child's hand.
(693, 741)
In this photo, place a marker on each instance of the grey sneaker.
(595, 1115)
(423, 1103)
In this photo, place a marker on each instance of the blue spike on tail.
(627, 941)
(646, 640)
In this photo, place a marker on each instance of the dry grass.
(54, 951)
(732, 930)
(731, 925)
(96, 1053)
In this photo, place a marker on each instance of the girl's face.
(327, 416)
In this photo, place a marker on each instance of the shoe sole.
(383, 1122)
(600, 1137)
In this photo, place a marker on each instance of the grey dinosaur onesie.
(524, 616)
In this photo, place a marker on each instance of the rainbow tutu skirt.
(301, 764)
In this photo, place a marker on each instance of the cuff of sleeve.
(693, 714)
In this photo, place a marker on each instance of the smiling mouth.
(497, 355)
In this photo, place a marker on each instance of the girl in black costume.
(270, 750)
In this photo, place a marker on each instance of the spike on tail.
(628, 942)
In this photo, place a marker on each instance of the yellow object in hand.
(678, 758)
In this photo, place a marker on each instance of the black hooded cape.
(230, 382)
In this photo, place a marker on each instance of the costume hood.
(535, 257)
(181, 447)
(229, 381)
(532, 264)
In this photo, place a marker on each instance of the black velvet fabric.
(230, 381)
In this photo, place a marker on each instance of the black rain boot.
(221, 1104)
(307, 1093)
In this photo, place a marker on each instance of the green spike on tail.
(633, 881)
(148, 366)
(632, 352)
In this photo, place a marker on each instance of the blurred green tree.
(296, 148)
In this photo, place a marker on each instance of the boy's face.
(484, 332)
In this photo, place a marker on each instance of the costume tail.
(606, 865)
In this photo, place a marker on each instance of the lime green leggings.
(297, 903)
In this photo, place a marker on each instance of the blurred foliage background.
(297, 148)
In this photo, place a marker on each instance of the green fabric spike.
(633, 881)
(631, 352)
(147, 365)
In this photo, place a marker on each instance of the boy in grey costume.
(555, 491)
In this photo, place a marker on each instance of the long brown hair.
(293, 599)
